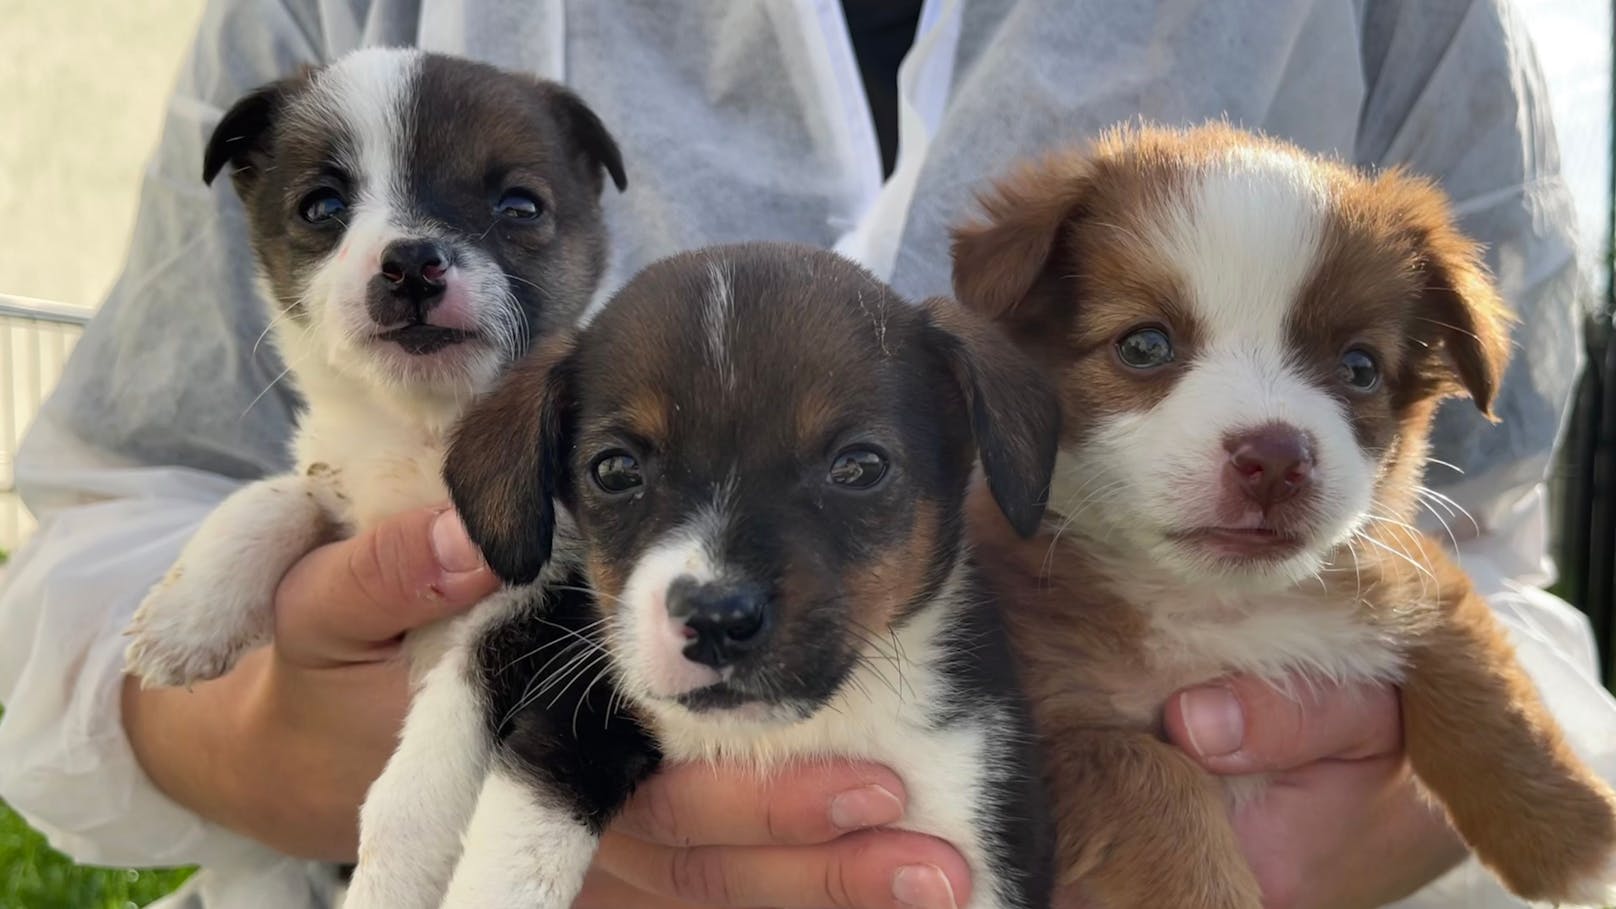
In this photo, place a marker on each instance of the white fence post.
(36, 337)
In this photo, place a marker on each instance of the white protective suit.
(747, 120)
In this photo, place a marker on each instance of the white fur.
(1242, 241)
(216, 601)
(370, 445)
(520, 851)
(653, 643)
(716, 316)
(1242, 238)
(412, 816)
(372, 441)
(1198, 634)
(369, 93)
(881, 714)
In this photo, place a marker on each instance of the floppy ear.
(1003, 255)
(507, 462)
(1461, 314)
(242, 137)
(1015, 415)
(589, 137)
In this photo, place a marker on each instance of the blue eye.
(1358, 370)
(519, 205)
(1146, 348)
(322, 205)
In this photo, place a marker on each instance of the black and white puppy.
(764, 452)
(417, 219)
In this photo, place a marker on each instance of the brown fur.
(1060, 260)
(1481, 742)
(1138, 824)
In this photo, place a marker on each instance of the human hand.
(1341, 824)
(703, 836)
(284, 747)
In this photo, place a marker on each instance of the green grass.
(35, 876)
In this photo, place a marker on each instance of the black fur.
(982, 668)
(244, 132)
(820, 359)
(576, 739)
(477, 133)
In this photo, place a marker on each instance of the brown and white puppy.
(1249, 344)
(766, 453)
(416, 220)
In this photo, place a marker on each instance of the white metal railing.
(35, 338)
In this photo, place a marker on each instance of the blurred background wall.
(82, 89)
(84, 82)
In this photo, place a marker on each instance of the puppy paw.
(1563, 854)
(188, 630)
(1596, 890)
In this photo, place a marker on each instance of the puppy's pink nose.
(1271, 463)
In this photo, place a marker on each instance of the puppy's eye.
(322, 205)
(1145, 348)
(616, 472)
(518, 205)
(858, 468)
(1358, 370)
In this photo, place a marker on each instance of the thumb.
(349, 601)
(1244, 724)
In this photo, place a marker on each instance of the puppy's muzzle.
(723, 622)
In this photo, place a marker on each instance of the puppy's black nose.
(723, 621)
(416, 269)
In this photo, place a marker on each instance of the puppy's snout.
(417, 269)
(722, 621)
(1269, 464)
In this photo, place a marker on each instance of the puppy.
(766, 453)
(1249, 344)
(416, 220)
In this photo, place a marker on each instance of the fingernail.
(1213, 720)
(871, 806)
(922, 887)
(453, 546)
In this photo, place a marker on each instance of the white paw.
(190, 630)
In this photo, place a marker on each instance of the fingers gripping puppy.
(416, 219)
(1250, 344)
(766, 453)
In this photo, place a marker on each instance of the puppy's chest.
(365, 470)
(1191, 637)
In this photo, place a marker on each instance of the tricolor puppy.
(1249, 344)
(766, 454)
(417, 219)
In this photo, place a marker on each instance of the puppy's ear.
(507, 462)
(589, 137)
(242, 137)
(1461, 314)
(1002, 257)
(1015, 415)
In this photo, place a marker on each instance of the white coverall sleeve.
(149, 428)
(1474, 113)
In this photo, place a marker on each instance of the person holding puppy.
(741, 121)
